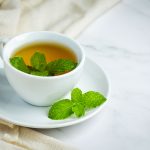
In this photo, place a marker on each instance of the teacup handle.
(3, 41)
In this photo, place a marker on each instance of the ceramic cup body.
(36, 90)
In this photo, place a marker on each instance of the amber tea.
(52, 51)
(44, 59)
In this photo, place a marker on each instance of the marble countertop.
(119, 41)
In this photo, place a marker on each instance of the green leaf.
(78, 109)
(76, 95)
(78, 104)
(38, 61)
(38, 73)
(19, 64)
(61, 110)
(93, 99)
(60, 66)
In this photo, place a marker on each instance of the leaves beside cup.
(78, 104)
(40, 67)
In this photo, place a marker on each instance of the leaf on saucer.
(78, 103)
(76, 95)
(78, 109)
(93, 99)
(60, 110)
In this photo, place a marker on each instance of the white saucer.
(16, 111)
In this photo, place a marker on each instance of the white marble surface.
(119, 41)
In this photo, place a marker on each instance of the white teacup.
(37, 90)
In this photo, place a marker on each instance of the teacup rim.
(81, 63)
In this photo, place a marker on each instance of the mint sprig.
(39, 66)
(78, 104)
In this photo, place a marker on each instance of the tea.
(52, 51)
(44, 59)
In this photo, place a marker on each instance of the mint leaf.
(38, 61)
(93, 99)
(78, 104)
(60, 66)
(76, 95)
(33, 71)
(78, 109)
(38, 73)
(60, 110)
(19, 64)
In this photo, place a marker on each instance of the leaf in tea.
(39, 73)
(19, 64)
(60, 66)
(38, 61)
